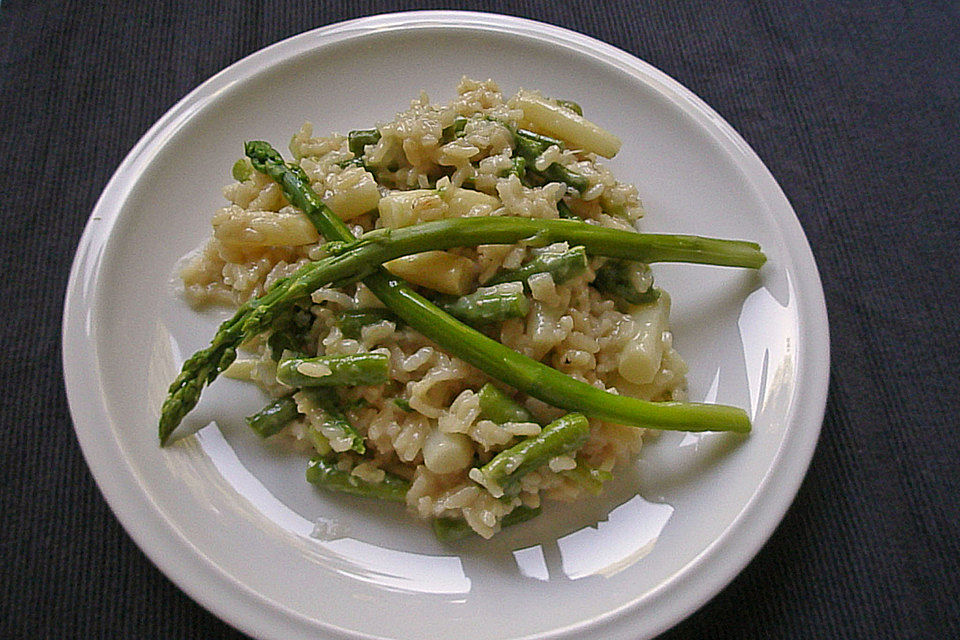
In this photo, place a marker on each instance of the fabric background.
(854, 107)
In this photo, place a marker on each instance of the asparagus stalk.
(359, 258)
(498, 407)
(488, 304)
(385, 244)
(202, 368)
(498, 361)
(560, 265)
(324, 473)
(530, 144)
(501, 476)
(449, 529)
(273, 417)
(527, 375)
(354, 370)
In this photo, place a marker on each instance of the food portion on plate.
(453, 309)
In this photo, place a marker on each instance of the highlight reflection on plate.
(230, 518)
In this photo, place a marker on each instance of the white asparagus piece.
(404, 208)
(353, 193)
(549, 118)
(438, 270)
(640, 359)
(467, 202)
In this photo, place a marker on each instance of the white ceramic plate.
(233, 522)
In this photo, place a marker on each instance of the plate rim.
(162, 542)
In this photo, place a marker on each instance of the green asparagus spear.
(356, 370)
(500, 362)
(255, 316)
(561, 265)
(273, 417)
(498, 407)
(501, 476)
(618, 278)
(529, 376)
(488, 304)
(334, 425)
(530, 144)
(325, 474)
(449, 529)
(386, 244)
(359, 258)
(202, 368)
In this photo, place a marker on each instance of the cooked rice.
(258, 237)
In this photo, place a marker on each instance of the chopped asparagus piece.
(488, 304)
(619, 279)
(324, 473)
(498, 407)
(560, 265)
(501, 476)
(359, 369)
(357, 140)
(273, 417)
(587, 477)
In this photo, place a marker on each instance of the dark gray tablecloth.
(854, 107)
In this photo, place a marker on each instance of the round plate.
(231, 520)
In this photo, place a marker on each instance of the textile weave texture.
(855, 109)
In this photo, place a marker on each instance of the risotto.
(381, 409)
